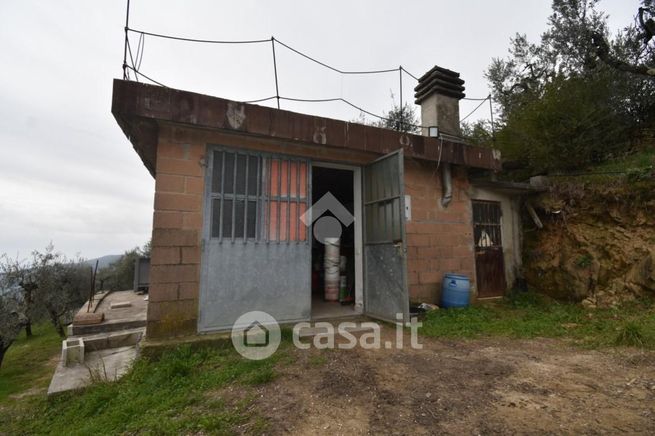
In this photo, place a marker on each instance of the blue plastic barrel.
(455, 290)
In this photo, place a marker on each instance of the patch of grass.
(630, 335)
(29, 363)
(530, 315)
(166, 396)
(635, 161)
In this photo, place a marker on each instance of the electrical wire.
(390, 70)
(476, 108)
(410, 74)
(146, 77)
(136, 63)
(326, 100)
(205, 41)
(129, 49)
(260, 100)
(140, 48)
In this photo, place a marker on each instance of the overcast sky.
(68, 174)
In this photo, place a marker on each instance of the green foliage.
(49, 284)
(478, 133)
(562, 104)
(29, 363)
(573, 124)
(630, 335)
(11, 322)
(584, 261)
(119, 276)
(180, 393)
(530, 315)
(402, 119)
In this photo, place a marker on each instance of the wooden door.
(489, 260)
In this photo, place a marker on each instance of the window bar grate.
(245, 202)
(234, 195)
(298, 201)
(257, 199)
(267, 202)
(287, 224)
(220, 226)
(279, 198)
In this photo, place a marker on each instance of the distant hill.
(103, 261)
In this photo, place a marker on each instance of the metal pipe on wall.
(447, 184)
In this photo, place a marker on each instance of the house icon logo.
(326, 226)
(256, 335)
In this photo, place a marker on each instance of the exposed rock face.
(597, 245)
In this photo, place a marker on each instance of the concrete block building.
(234, 182)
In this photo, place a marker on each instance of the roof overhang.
(139, 108)
(509, 188)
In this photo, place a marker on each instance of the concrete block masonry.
(72, 351)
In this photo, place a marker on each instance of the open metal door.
(385, 265)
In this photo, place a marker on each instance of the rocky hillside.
(598, 241)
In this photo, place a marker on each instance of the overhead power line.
(476, 108)
(389, 70)
(205, 41)
(138, 58)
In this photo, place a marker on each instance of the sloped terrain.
(598, 241)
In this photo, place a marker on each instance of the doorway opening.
(336, 273)
(489, 258)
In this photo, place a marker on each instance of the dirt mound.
(598, 242)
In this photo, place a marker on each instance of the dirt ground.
(462, 387)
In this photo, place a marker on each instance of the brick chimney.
(439, 92)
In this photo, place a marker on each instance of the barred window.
(287, 199)
(256, 197)
(487, 224)
(236, 195)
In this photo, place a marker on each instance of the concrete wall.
(176, 236)
(178, 215)
(510, 227)
(442, 111)
(440, 240)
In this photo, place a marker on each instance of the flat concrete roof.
(139, 108)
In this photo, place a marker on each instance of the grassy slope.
(29, 363)
(530, 315)
(185, 391)
(176, 394)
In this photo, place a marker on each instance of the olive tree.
(47, 285)
(11, 320)
(17, 276)
(119, 275)
(62, 285)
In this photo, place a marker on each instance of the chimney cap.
(439, 81)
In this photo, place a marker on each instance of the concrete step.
(107, 326)
(310, 332)
(106, 340)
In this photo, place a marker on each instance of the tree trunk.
(56, 322)
(3, 350)
(60, 330)
(28, 329)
